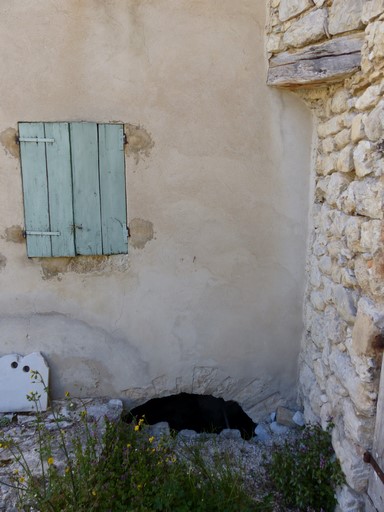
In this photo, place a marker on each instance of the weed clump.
(306, 473)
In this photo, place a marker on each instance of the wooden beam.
(321, 63)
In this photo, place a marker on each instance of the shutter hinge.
(368, 459)
(42, 233)
(35, 139)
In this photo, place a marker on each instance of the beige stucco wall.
(217, 164)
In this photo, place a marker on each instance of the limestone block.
(343, 138)
(319, 247)
(350, 456)
(347, 119)
(308, 29)
(348, 278)
(362, 158)
(330, 127)
(374, 123)
(325, 265)
(317, 300)
(369, 98)
(345, 160)
(336, 327)
(314, 273)
(376, 39)
(345, 301)
(328, 145)
(321, 372)
(352, 233)
(274, 43)
(357, 131)
(321, 188)
(371, 10)
(359, 429)
(337, 184)
(339, 102)
(362, 394)
(371, 235)
(290, 8)
(365, 198)
(345, 15)
(349, 500)
(338, 250)
(368, 328)
(325, 219)
(16, 382)
(327, 164)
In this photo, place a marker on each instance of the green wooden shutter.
(60, 189)
(86, 188)
(74, 188)
(112, 189)
(35, 189)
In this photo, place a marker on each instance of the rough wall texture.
(209, 298)
(344, 310)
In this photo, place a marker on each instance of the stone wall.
(344, 310)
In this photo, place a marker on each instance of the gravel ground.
(247, 457)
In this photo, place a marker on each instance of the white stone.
(357, 131)
(345, 160)
(351, 460)
(371, 235)
(298, 418)
(345, 15)
(328, 145)
(365, 198)
(317, 300)
(278, 429)
(336, 185)
(352, 232)
(290, 8)
(369, 98)
(357, 427)
(263, 433)
(308, 29)
(362, 158)
(345, 301)
(374, 123)
(343, 138)
(16, 382)
(361, 393)
(372, 9)
(339, 102)
(349, 500)
(330, 127)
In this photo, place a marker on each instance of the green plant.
(306, 473)
(124, 469)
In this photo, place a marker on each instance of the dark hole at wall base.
(202, 413)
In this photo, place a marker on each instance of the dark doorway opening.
(202, 413)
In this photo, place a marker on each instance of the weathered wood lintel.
(321, 63)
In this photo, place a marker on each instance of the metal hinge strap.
(368, 458)
(126, 233)
(35, 139)
(43, 233)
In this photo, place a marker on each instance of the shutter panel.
(35, 189)
(60, 189)
(86, 188)
(112, 188)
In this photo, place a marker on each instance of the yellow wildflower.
(139, 486)
(67, 394)
(94, 492)
(129, 445)
(50, 461)
(151, 439)
(137, 428)
(21, 479)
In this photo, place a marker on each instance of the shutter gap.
(72, 188)
(48, 198)
(100, 198)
